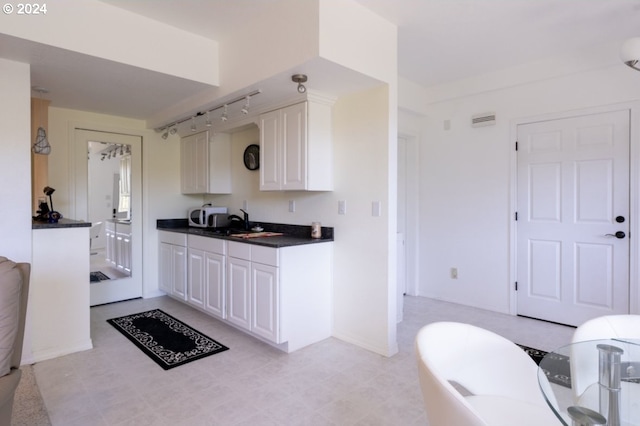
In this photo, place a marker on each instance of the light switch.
(376, 209)
(342, 207)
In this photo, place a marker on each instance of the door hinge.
(516, 145)
(516, 215)
(516, 285)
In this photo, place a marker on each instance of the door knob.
(618, 234)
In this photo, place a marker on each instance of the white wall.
(466, 173)
(364, 313)
(15, 161)
(98, 29)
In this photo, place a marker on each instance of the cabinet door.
(111, 246)
(166, 268)
(194, 161)
(214, 267)
(239, 292)
(270, 129)
(126, 254)
(265, 291)
(179, 269)
(196, 277)
(294, 147)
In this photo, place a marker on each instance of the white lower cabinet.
(280, 295)
(173, 264)
(253, 297)
(239, 292)
(265, 302)
(206, 274)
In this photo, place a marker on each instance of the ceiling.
(439, 41)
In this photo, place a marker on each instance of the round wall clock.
(252, 157)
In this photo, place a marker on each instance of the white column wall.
(15, 161)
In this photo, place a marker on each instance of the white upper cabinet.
(206, 163)
(296, 150)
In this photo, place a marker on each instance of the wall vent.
(484, 119)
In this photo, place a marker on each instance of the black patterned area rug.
(556, 367)
(96, 277)
(165, 339)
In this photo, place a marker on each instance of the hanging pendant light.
(41, 144)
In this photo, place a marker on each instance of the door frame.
(411, 239)
(634, 193)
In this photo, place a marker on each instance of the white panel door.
(573, 197)
(196, 277)
(239, 292)
(294, 146)
(215, 284)
(265, 315)
(270, 135)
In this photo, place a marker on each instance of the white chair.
(94, 233)
(470, 376)
(584, 359)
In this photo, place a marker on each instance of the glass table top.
(593, 382)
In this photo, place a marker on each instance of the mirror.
(109, 210)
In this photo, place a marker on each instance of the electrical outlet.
(292, 206)
(342, 207)
(454, 273)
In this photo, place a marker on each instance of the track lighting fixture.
(630, 53)
(300, 78)
(245, 108)
(165, 135)
(173, 128)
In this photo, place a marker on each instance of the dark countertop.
(62, 223)
(294, 235)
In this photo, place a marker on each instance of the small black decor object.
(251, 157)
(165, 339)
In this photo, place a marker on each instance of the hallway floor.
(329, 383)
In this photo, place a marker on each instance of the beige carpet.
(28, 406)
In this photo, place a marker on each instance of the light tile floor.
(329, 383)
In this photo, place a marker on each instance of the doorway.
(573, 206)
(108, 194)
(407, 220)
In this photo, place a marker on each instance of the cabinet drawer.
(174, 238)
(264, 255)
(212, 245)
(239, 250)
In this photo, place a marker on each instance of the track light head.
(208, 119)
(193, 124)
(173, 130)
(224, 116)
(245, 108)
(165, 134)
(300, 78)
